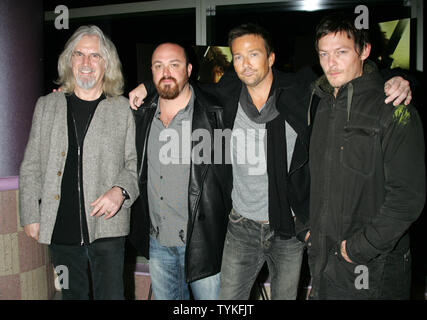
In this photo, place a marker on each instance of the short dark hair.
(254, 29)
(342, 23)
(181, 45)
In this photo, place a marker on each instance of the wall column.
(25, 268)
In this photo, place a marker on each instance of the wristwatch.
(124, 193)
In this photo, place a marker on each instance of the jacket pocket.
(352, 281)
(358, 150)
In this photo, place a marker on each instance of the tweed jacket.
(109, 159)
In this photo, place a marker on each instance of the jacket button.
(309, 244)
(56, 196)
(59, 173)
(63, 153)
(342, 148)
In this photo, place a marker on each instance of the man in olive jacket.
(78, 178)
(367, 175)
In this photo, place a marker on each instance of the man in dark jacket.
(180, 220)
(367, 174)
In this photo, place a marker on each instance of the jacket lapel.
(143, 118)
(200, 121)
(230, 109)
(60, 124)
(295, 115)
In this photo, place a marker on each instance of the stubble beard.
(168, 91)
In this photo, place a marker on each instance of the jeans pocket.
(234, 217)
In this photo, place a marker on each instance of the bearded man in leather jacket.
(180, 220)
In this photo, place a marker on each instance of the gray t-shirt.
(168, 160)
(250, 181)
(249, 158)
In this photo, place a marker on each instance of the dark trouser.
(386, 278)
(105, 258)
(397, 277)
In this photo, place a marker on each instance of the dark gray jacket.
(367, 183)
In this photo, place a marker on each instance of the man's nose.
(332, 61)
(86, 60)
(245, 62)
(166, 72)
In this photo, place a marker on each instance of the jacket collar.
(199, 119)
(370, 78)
(230, 111)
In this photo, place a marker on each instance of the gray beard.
(86, 85)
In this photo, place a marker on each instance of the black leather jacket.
(209, 193)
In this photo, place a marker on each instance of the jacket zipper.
(78, 181)
(327, 182)
(79, 166)
(338, 220)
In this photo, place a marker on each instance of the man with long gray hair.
(78, 178)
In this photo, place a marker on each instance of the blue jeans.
(105, 258)
(168, 276)
(248, 244)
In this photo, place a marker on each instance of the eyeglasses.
(93, 57)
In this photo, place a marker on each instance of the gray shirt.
(249, 159)
(249, 154)
(168, 159)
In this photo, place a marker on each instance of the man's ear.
(189, 68)
(366, 52)
(271, 59)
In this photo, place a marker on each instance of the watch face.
(125, 194)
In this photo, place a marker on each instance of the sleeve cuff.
(359, 250)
